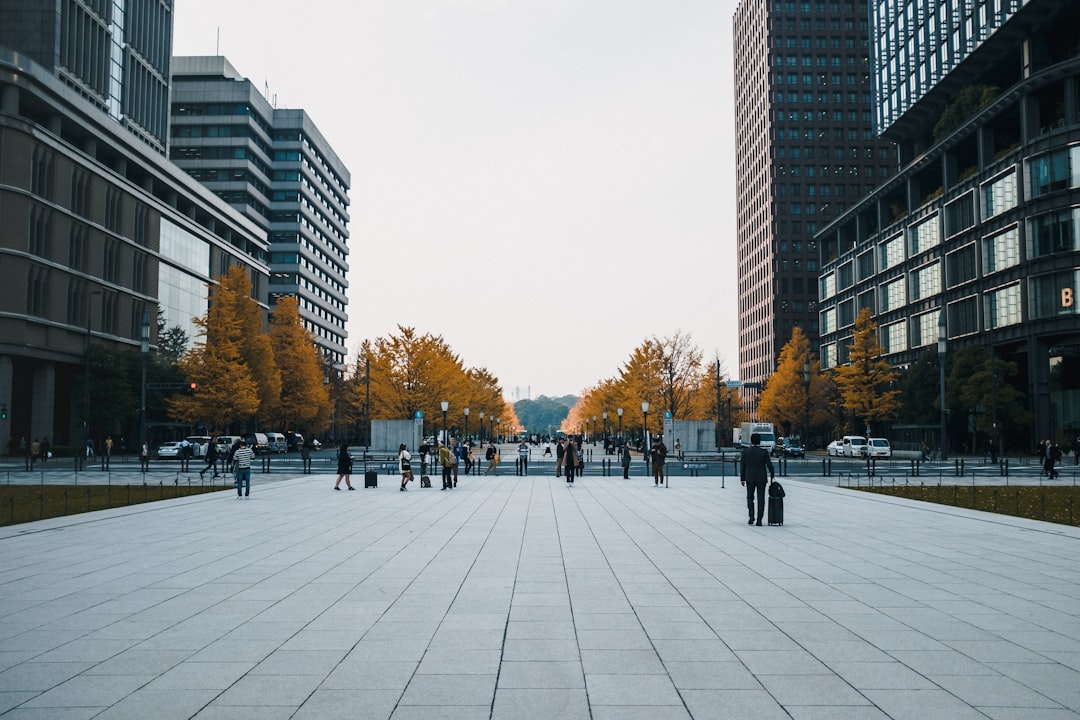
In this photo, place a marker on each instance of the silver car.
(169, 451)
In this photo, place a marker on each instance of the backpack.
(490, 453)
(776, 489)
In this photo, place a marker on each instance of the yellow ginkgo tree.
(867, 383)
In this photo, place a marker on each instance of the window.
(892, 295)
(924, 329)
(999, 195)
(828, 286)
(1054, 233)
(892, 252)
(1056, 170)
(1003, 306)
(40, 231)
(114, 210)
(111, 260)
(80, 192)
(894, 337)
(77, 247)
(1054, 294)
(925, 235)
(960, 214)
(37, 291)
(925, 282)
(1001, 251)
(963, 317)
(847, 313)
(960, 265)
(138, 277)
(845, 276)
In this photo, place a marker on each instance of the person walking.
(144, 458)
(1076, 450)
(560, 457)
(625, 460)
(344, 467)
(89, 447)
(658, 456)
(455, 451)
(755, 472)
(446, 459)
(35, 451)
(106, 455)
(404, 459)
(45, 450)
(211, 458)
(242, 473)
(491, 455)
(1053, 456)
(570, 460)
(678, 450)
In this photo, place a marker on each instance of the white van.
(854, 445)
(878, 448)
(277, 442)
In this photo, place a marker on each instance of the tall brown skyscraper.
(806, 150)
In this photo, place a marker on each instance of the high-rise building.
(981, 225)
(806, 150)
(99, 232)
(275, 167)
(113, 54)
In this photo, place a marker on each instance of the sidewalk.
(518, 597)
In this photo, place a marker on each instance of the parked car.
(854, 445)
(835, 448)
(169, 451)
(225, 443)
(878, 448)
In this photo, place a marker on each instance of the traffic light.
(3, 411)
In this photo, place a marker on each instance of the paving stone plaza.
(521, 598)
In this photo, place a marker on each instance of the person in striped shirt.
(242, 472)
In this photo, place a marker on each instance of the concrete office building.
(98, 230)
(805, 152)
(275, 167)
(982, 221)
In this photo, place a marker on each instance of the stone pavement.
(522, 598)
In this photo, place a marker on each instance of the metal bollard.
(826, 467)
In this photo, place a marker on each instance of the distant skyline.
(543, 184)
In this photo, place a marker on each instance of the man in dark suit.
(755, 473)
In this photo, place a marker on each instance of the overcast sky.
(543, 183)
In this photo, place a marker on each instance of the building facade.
(805, 152)
(275, 167)
(982, 222)
(98, 230)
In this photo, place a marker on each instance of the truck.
(741, 435)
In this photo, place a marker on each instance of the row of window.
(1049, 295)
(806, 97)
(808, 79)
(1047, 234)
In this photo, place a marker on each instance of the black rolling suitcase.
(371, 478)
(425, 481)
(776, 503)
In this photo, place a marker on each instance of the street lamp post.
(466, 439)
(605, 430)
(645, 430)
(481, 427)
(942, 346)
(144, 348)
(594, 429)
(806, 383)
(618, 411)
(445, 406)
